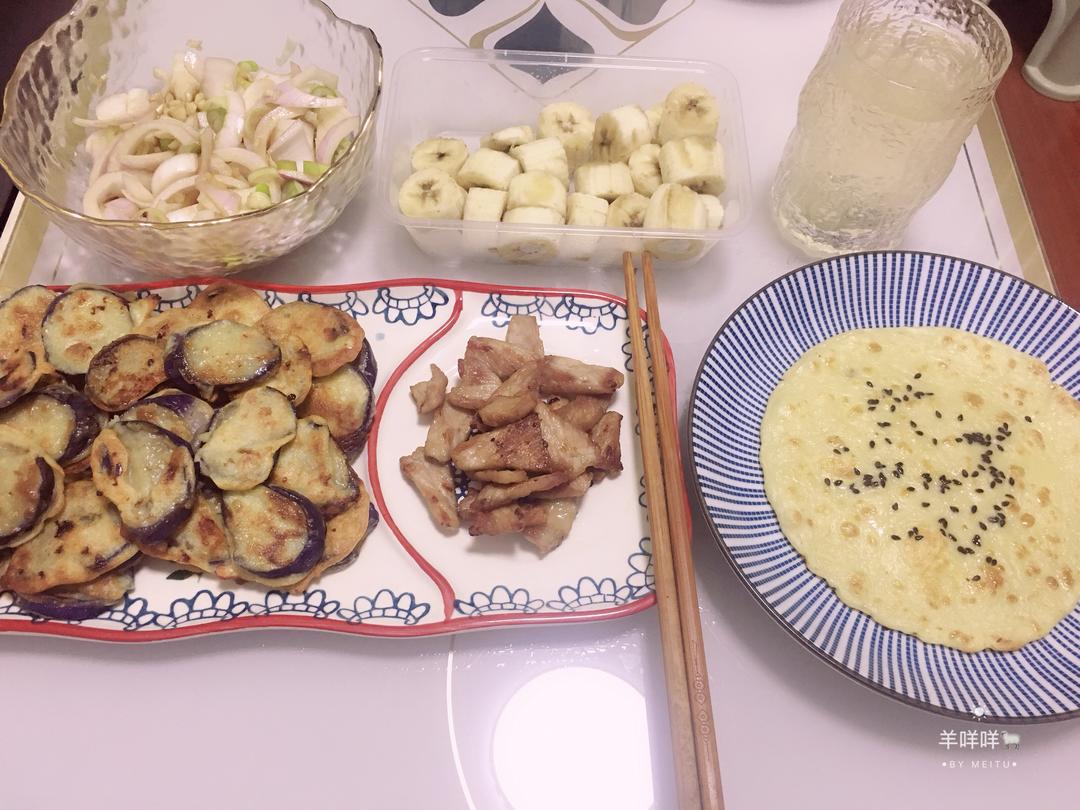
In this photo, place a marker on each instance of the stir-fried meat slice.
(495, 495)
(558, 518)
(573, 488)
(514, 399)
(524, 332)
(512, 519)
(582, 411)
(436, 486)
(499, 476)
(605, 437)
(518, 446)
(450, 428)
(501, 357)
(565, 376)
(478, 380)
(429, 395)
(568, 447)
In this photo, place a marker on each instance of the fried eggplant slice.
(293, 376)
(564, 376)
(177, 412)
(221, 354)
(80, 322)
(277, 535)
(201, 543)
(345, 401)
(582, 411)
(333, 337)
(450, 428)
(605, 436)
(124, 372)
(31, 488)
(229, 301)
(76, 603)
(558, 518)
(244, 437)
(515, 399)
(21, 314)
(149, 476)
(80, 544)
(142, 308)
(523, 332)
(19, 373)
(344, 535)
(313, 465)
(436, 487)
(58, 419)
(171, 321)
(430, 394)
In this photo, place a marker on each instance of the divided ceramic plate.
(750, 353)
(410, 579)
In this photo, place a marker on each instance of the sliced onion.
(296, 143)
(242, 157)
(126, 143)
(148, 162)
(193, 62)
(219, 76)
(256, 92)
(105, 187)
(227, 202)
(136, 191)
(232, 131)
(287, 95)
(327, 144)
(299, 177)
(120, 208)
(230, 182)
(317, 75)
(266, 127)
(206, 149)
(173, 169)
(182, 184)
(186, 214)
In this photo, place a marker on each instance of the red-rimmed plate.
(410, 579)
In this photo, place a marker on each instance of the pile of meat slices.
(218, 436)
(531, 433)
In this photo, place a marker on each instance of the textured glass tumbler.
(882, 117)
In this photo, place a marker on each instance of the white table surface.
(537, 717)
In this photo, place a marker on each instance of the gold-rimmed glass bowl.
(106, 46)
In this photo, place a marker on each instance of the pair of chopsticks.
(693, 737)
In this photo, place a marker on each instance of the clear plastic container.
(464, 93)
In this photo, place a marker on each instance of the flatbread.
(930, 476)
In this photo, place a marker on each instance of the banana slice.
(485, 205)
(586, 209)
(628, 211)
(645, 168)
(689, 109)
(538, 190)
(545, 155)
(583, 210)
(439, 153)
(654, 113)
(482, 205)
(502, 139)
(529, 247)
(431, 194)
(573, 125)
(488, 168)
(714, 211)
(607, 180)
(619, 132)
(675, 207)
(695, 161)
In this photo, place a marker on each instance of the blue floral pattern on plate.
(589, 594)
(386, 604)
(310, 603)
(498, 600)
(409, 310)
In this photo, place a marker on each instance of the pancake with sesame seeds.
(930, 476)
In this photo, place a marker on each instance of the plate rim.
(699, 499)
(450, 624)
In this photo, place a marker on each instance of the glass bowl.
(105, 46)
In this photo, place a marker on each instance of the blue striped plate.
(759, 342)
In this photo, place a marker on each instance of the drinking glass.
(882, 117)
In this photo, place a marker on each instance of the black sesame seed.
(856, 470)
(976, 578)
(954, 509)
(934, 441)
(873, 444)
(960, 418)
(1027, 418)
(878, 465)
(837, 482)
(892, 409)
(974, 509)
(895, 506)
(1012, 481)
(925, 504)
(884, 424)
(888, 440)
(919, 433)
(907, 387)
(836, 451)
(827, 482)
(894, 536)
(980, 490)
(937, 414)
(982, 525)
(869, 384)
(872, 401)
(911, 489)
(918, 375)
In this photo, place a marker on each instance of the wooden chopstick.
(671, 636)
(708, 760)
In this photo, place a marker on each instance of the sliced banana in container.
(714, 211)
(689, 109)
(483, 205)
(583, 210)
(501, 140)
(447, 154)
(696, 161)
(489, 169)
(654, 113)
(537, 190)
(607, 180)
(431, 194)
(573, 125)
(619, 132)
(545, 155)
(627, 211)
(644, 166)
(524, 247)
(675, 207)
